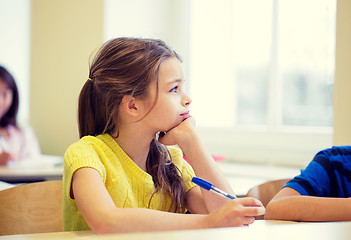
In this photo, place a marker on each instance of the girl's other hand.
(236, 213)
(5, 157)
(179, 134)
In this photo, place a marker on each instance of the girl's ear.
(130, 105)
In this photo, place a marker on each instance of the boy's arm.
(288, 204)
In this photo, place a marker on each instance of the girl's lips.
(185, 115)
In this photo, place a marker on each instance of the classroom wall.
(342, 87)
(64, 33)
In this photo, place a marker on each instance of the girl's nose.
(187, 101)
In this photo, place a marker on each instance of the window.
(261, 76)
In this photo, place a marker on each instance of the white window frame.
(270, 144)
(287, 146)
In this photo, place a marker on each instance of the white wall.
(163, 19)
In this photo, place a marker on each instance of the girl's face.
(171, 107)
(6, 96)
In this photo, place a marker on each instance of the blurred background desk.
(243, 176)
(44, 168)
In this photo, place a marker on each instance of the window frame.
(272, 143)
(285, 146)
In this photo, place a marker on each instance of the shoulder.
(334, 157)
(14, 130)
(178, 159)
(319, 178)
(85, 148)
(84, 143)
(20, 130)
(175, 152)
(176, 156)
(336, 151)
(84, 153)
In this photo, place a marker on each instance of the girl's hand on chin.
(179, 133)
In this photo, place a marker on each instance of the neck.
(135, 143)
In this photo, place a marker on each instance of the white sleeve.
(30, 144)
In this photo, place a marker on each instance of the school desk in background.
(45, 167)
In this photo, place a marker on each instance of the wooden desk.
(261, 230)
(32, 170)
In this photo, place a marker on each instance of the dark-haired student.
(16, 143)
(320, 193)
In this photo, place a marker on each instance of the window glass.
(306, 61)
(262, 62)
(252, 40)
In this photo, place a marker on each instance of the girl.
(120, 177)
(16, 143)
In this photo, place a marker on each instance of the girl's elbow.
(100, 229)
(102, 224)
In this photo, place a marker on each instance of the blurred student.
(16, 143)
(120, 176)
(320, 193)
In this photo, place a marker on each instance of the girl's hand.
(5, 157)
(179, 134)
(236, 213)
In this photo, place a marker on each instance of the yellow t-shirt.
(128, 185)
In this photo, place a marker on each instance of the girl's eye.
(175, 89)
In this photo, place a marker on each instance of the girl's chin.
(174, 125)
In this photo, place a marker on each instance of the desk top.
(261, 229)
(45, 167)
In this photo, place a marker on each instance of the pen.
(210, 187)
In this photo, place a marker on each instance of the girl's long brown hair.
(128, 66)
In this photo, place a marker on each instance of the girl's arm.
(5, 157)
(288, 204)
(185, 136)
(101, 214)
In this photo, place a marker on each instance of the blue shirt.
(327, 175)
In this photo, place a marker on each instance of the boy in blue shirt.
(320, 193)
